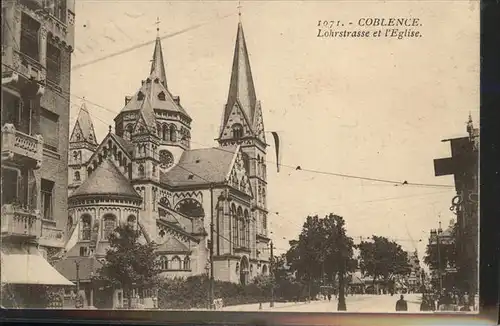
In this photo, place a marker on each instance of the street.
(356, 303)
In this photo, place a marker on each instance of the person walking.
(329, 297)
(401, 304)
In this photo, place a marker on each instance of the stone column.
(42, 46)
(15, 25)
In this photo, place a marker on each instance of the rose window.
(166, 159)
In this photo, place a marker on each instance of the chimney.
(177, 100)
(127, 99)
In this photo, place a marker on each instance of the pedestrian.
(401, 304)
(424, 306)
(329, 297)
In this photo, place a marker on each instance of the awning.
(29, 268)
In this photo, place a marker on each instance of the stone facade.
(186, 194)
(36, 61)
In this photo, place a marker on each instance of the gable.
(103, 147)
(259, 124)
(236, 116)
(77, 134)
(238, 175)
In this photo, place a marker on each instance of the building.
(440, 250)
(37, 43)
(414, 279)
(146, 173)
(463, 165)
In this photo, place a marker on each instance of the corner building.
(147, 174)
(37, 42)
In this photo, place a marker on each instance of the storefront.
(28, 280)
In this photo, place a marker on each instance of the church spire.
(83, 131)
(157, 64)
(241, 88)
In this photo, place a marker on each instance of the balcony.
(18, 146)
(20, 222)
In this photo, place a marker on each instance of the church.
(146, 174)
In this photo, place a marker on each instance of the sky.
(375, 108)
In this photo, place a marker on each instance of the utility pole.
(271, 304)
(211, 248)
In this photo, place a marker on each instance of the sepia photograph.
(240, 156)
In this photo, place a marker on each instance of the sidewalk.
(265, 306)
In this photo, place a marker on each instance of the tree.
(322, 252)
(383, 259)
(129, 264)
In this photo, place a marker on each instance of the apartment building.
(37, 42)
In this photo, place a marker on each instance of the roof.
(85, 125)
(87, 267)
(241, 88)
(200, 166)
(173, 245)
(106, 180)
(127, 145)
(151, 89)
(157, 64)
(28, 267)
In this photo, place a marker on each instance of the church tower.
(242, 123)
(154, 120)
(82, 145)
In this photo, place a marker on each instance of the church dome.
(107, 181)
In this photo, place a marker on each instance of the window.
(85, 221)
(176, 263)
(173, 133)
(84, 251)
(11, 110)
(163, 263)
(166, 159)
(9, 186)
(49, 125)
(109, 226)
(165, 132)
(235, 228)
(186, 263)
(57, 8)
(29, 37)
(237, 131)
(47, 199)
(77, 176)
(53, 63)
(141, 171)
(161, 96)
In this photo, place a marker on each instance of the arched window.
(128, 132)
(69, 225)
(142, 173)
(235, 226)
(242, 230)
(173, 133)
(164, 134)
(176, 263)
(190, 207)
(237, 131)
(109, 226)
(187, 264)
(163, 263)
(75, 156)
(247, 229)
(131, 220)
(246, 162)
(77, 175)
(86, 228)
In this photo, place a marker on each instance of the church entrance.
(244, 271)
